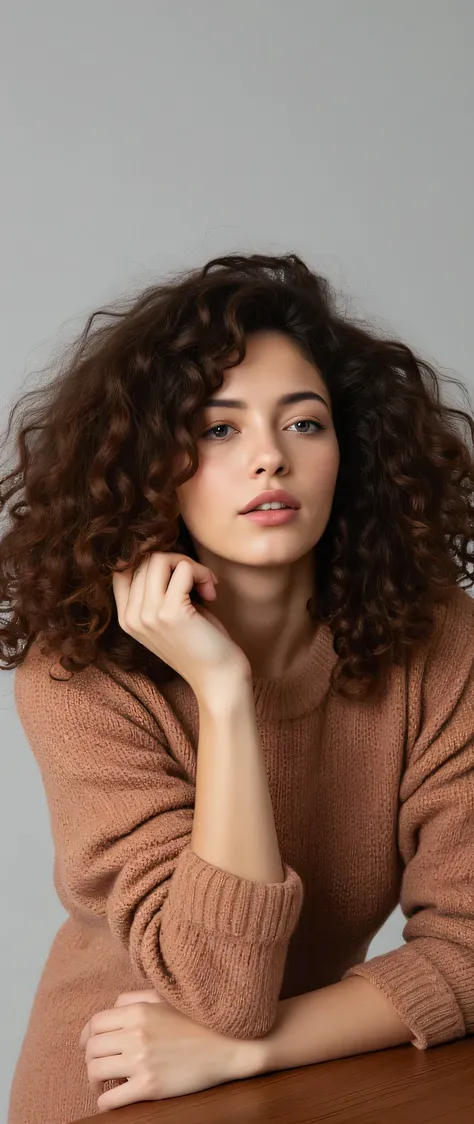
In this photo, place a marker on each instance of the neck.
(283, 654)
(266, 613)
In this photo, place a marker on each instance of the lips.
(275, 496)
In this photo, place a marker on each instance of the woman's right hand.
(154, 606)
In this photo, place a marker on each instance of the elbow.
(231, 990)
(247, 1023)
(243, 1020)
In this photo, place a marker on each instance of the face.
(261, 446)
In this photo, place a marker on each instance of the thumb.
(127, 997)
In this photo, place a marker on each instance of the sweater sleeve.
(430, 980)
(121, 812)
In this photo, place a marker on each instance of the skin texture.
(265, 577)
(165, 1054)
(265, 574)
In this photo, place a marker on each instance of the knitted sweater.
(373, 805)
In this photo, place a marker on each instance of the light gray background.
(144, 137)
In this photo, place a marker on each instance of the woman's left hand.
(159, 1051)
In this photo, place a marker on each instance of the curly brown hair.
(96, 485)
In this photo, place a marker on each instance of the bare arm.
(233, 826)
(212, 944)
(349, 1017)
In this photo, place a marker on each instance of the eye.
(308, 421)
(213, 427)
(304, 421)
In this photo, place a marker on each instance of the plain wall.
(142, 138)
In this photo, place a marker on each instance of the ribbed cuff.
(221, 903)
(419, 992)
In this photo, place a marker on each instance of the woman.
(255, 731)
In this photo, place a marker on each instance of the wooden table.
(399, 1086)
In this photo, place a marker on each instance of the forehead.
(273, 362)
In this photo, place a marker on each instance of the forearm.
(349, 1017)
(233, 827)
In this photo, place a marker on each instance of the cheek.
(332, 462)
(202, 495)
(324, 468)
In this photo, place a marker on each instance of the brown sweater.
(373, 804)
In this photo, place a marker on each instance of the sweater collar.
(302, 689)
(295, 694)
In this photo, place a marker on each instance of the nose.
(270, 471)
(271, 460)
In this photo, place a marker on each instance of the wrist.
(224, 688)
(251, 1058)
(265, 1054)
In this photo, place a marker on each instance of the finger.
(120, 589)
(175, 581)
(104, 1045)
(128, 1093)
(150, 583)
(122, 585)
(181, 582)
(133, 592)
(85, 1034)
(106, 1069)
(201, 574)
(104, 1022)
(150, 996)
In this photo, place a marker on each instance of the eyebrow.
(285, 400)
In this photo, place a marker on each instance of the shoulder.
(440, 699)
(443, 667)
(441, 664)
(452, 642)
(458, 608)
(47, 695)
